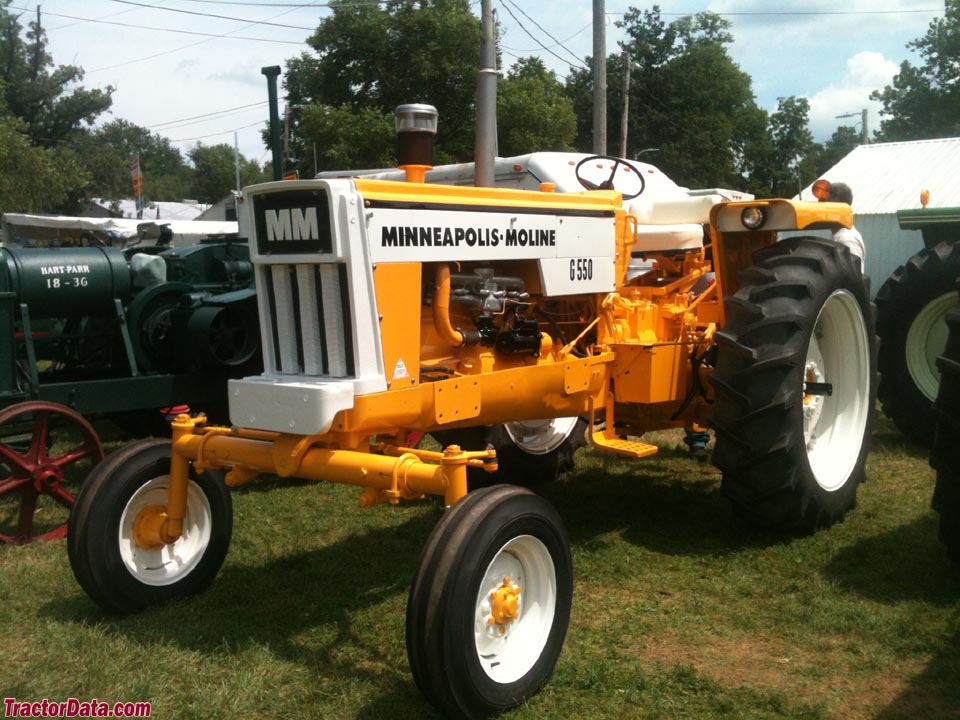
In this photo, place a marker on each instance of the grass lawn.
(677, 613)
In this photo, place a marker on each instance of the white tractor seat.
(675, 224)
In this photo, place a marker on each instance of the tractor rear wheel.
(115, 570)
(489, 608)
(911, 310)
(529, 452)
(945, 455)
(796, 384)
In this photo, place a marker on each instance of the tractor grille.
(309, 307)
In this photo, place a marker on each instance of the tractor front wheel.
(489, 608)
(796, 384)
(109, 561)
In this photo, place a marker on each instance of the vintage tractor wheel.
(911, 309)
(489, 608)
(529, 452)
(945, 455)
(47, 449)
(106, 558)
(796, 385)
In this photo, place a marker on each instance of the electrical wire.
(776, 13)
(211, 15)
(102, 17)
(522, 27)
(206, 117)
(225, 132)
(545, 32)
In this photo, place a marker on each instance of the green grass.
(677, 613)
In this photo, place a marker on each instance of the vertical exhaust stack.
(416, 131)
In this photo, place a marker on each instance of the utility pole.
(626, 104)
(865, 133)
(599, 78)
(485, 144)
(236, 158)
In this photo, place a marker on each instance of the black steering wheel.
(608, 183)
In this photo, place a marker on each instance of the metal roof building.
(886, 177)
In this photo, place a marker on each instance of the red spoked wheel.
(45, 449)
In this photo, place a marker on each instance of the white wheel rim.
(926, 340)
(173, 562)
(507, 652)
(834, 425)
(539, 437)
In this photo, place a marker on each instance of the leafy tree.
(793, 160)
(166, 175)
(35, 180)
(352, 137)
(47, 99)
(533, 112)
(214, 172)
(370, 59)
(924, 102)
(688, 99)
(840, 144)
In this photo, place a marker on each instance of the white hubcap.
(173, 562)
(507, 651)
(539, 437)
(926, 340)
(834, 425)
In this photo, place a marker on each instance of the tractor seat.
(671, 225)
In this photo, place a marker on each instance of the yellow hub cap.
(504, 605)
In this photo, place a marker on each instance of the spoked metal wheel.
(835, 420)
(47, 451)
(489, 608)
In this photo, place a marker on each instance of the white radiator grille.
(309, 311)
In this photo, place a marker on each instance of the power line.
(218, 17)
(797, 12)
(183, 122)
(298, 5)
(545, 32)
(566, 40)
(102, 17)
(225, 132)
(169, 30)
(522, 27)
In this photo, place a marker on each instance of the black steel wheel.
(945, 455)
(489, 608)
(796, 385)
(113, 569)
(529, 452)
(911, 321)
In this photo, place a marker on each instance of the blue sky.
(832, 53)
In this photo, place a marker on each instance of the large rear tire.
(114, 570)
(796, 384)
(911, 322)
(945, 455)
(529, 452)
(489, 608)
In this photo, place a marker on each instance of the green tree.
(48, 99)
(924, 102)
(370, 59)
(166, 175)
(533, 112)
(33, 179)
(840, 144)
(688, 99)
(793, 160)
(214, 172)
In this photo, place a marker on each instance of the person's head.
(841, 192)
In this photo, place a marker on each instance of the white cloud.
(865, 72)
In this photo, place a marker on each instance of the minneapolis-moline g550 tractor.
(510, 323)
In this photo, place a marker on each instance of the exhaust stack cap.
(416, 130)
(417, 117)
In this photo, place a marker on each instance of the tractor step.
(627, 448)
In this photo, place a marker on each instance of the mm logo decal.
(292, 224)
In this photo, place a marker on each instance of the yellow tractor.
(581, 297)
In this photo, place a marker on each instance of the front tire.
(945, 455)
(110, 566)
(911, 310)
(489, 608)
(799, 327)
